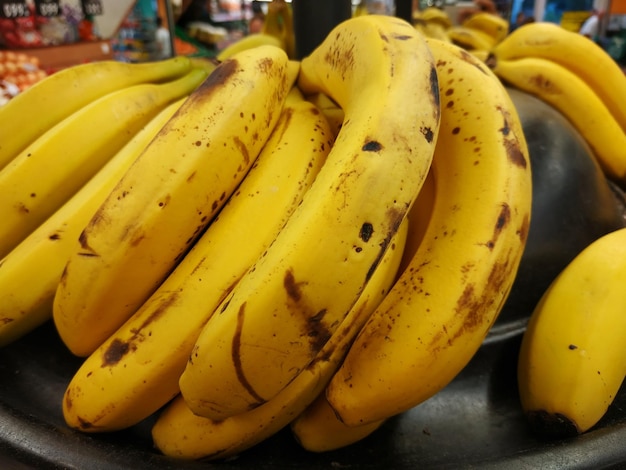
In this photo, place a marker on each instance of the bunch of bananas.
(265, 244)
(575, 76)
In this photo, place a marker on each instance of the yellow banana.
(571, 362)
(51, 169)
(489, 23)
(435, 15)
(437, 314)
(317, 428)
(577, 101)
(292, 300)
(33, 112)
(248, 42)
(180, 433)
(470, 39)
(135, 371)
(333, 113)
(167, 198)
(578, 54)
(30, 273)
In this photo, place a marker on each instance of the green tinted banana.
(292, 300)
(489, 23)
(577, 101)
(589, 61)
(571, 362)
(180, 433)
(33, 112)
(135, 371)
(30, 273)
(167, 198)
(439, 311)
(51, 169)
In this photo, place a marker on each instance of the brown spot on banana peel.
(503, 220)
(511, 143)
(216, 79)
(236, 357)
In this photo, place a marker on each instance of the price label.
(48, 8)
(13, 9)
(92, 7)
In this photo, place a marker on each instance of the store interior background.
(125, 30)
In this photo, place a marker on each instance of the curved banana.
(292, 300)
(439, 311)
(571, 362)
(433, 14)
(51, 169)
(135, 371)
(180, 433)
(333, 113)
(578, 54)
(577, 101)
(64, 92)
(489, 23)
(166, 199)
(248, 42)
(470, 39)
(30, 273)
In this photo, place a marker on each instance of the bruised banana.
(56, 165)
(288, 305)
(180, 433)
(491, 24)
(440, 309)
(30, 273)
(317, 428)
(167, 198)
(589, 61)
(571, 362)
(67, 91)
(135, 371)
(577, 101)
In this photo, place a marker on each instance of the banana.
(30, 273)
(167, 198)
(180, 433)
(135, 371)
(571, 362)
(489, 23)
(435, 15)
(248, 42)
(438, 312)
(575, 52)
(333, 113)
(287, 306)
(577, 101)
(318, 429)
(51, 169)
(470, 39)
(64, 92)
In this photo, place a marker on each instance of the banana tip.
(551, 425)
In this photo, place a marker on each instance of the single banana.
(292, 300)
(56, 165)
(433, 14)
(470, 39)
(33, 112)
(439, 311)
(30, 273)
(577, 101)
(333, 113)
(489, 23)
(248, 42)
(135, 371)
(167, 198)
(180, 433)
(571, 362)
(318, 428)
(586, 59)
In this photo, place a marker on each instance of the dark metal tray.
(476, 422)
